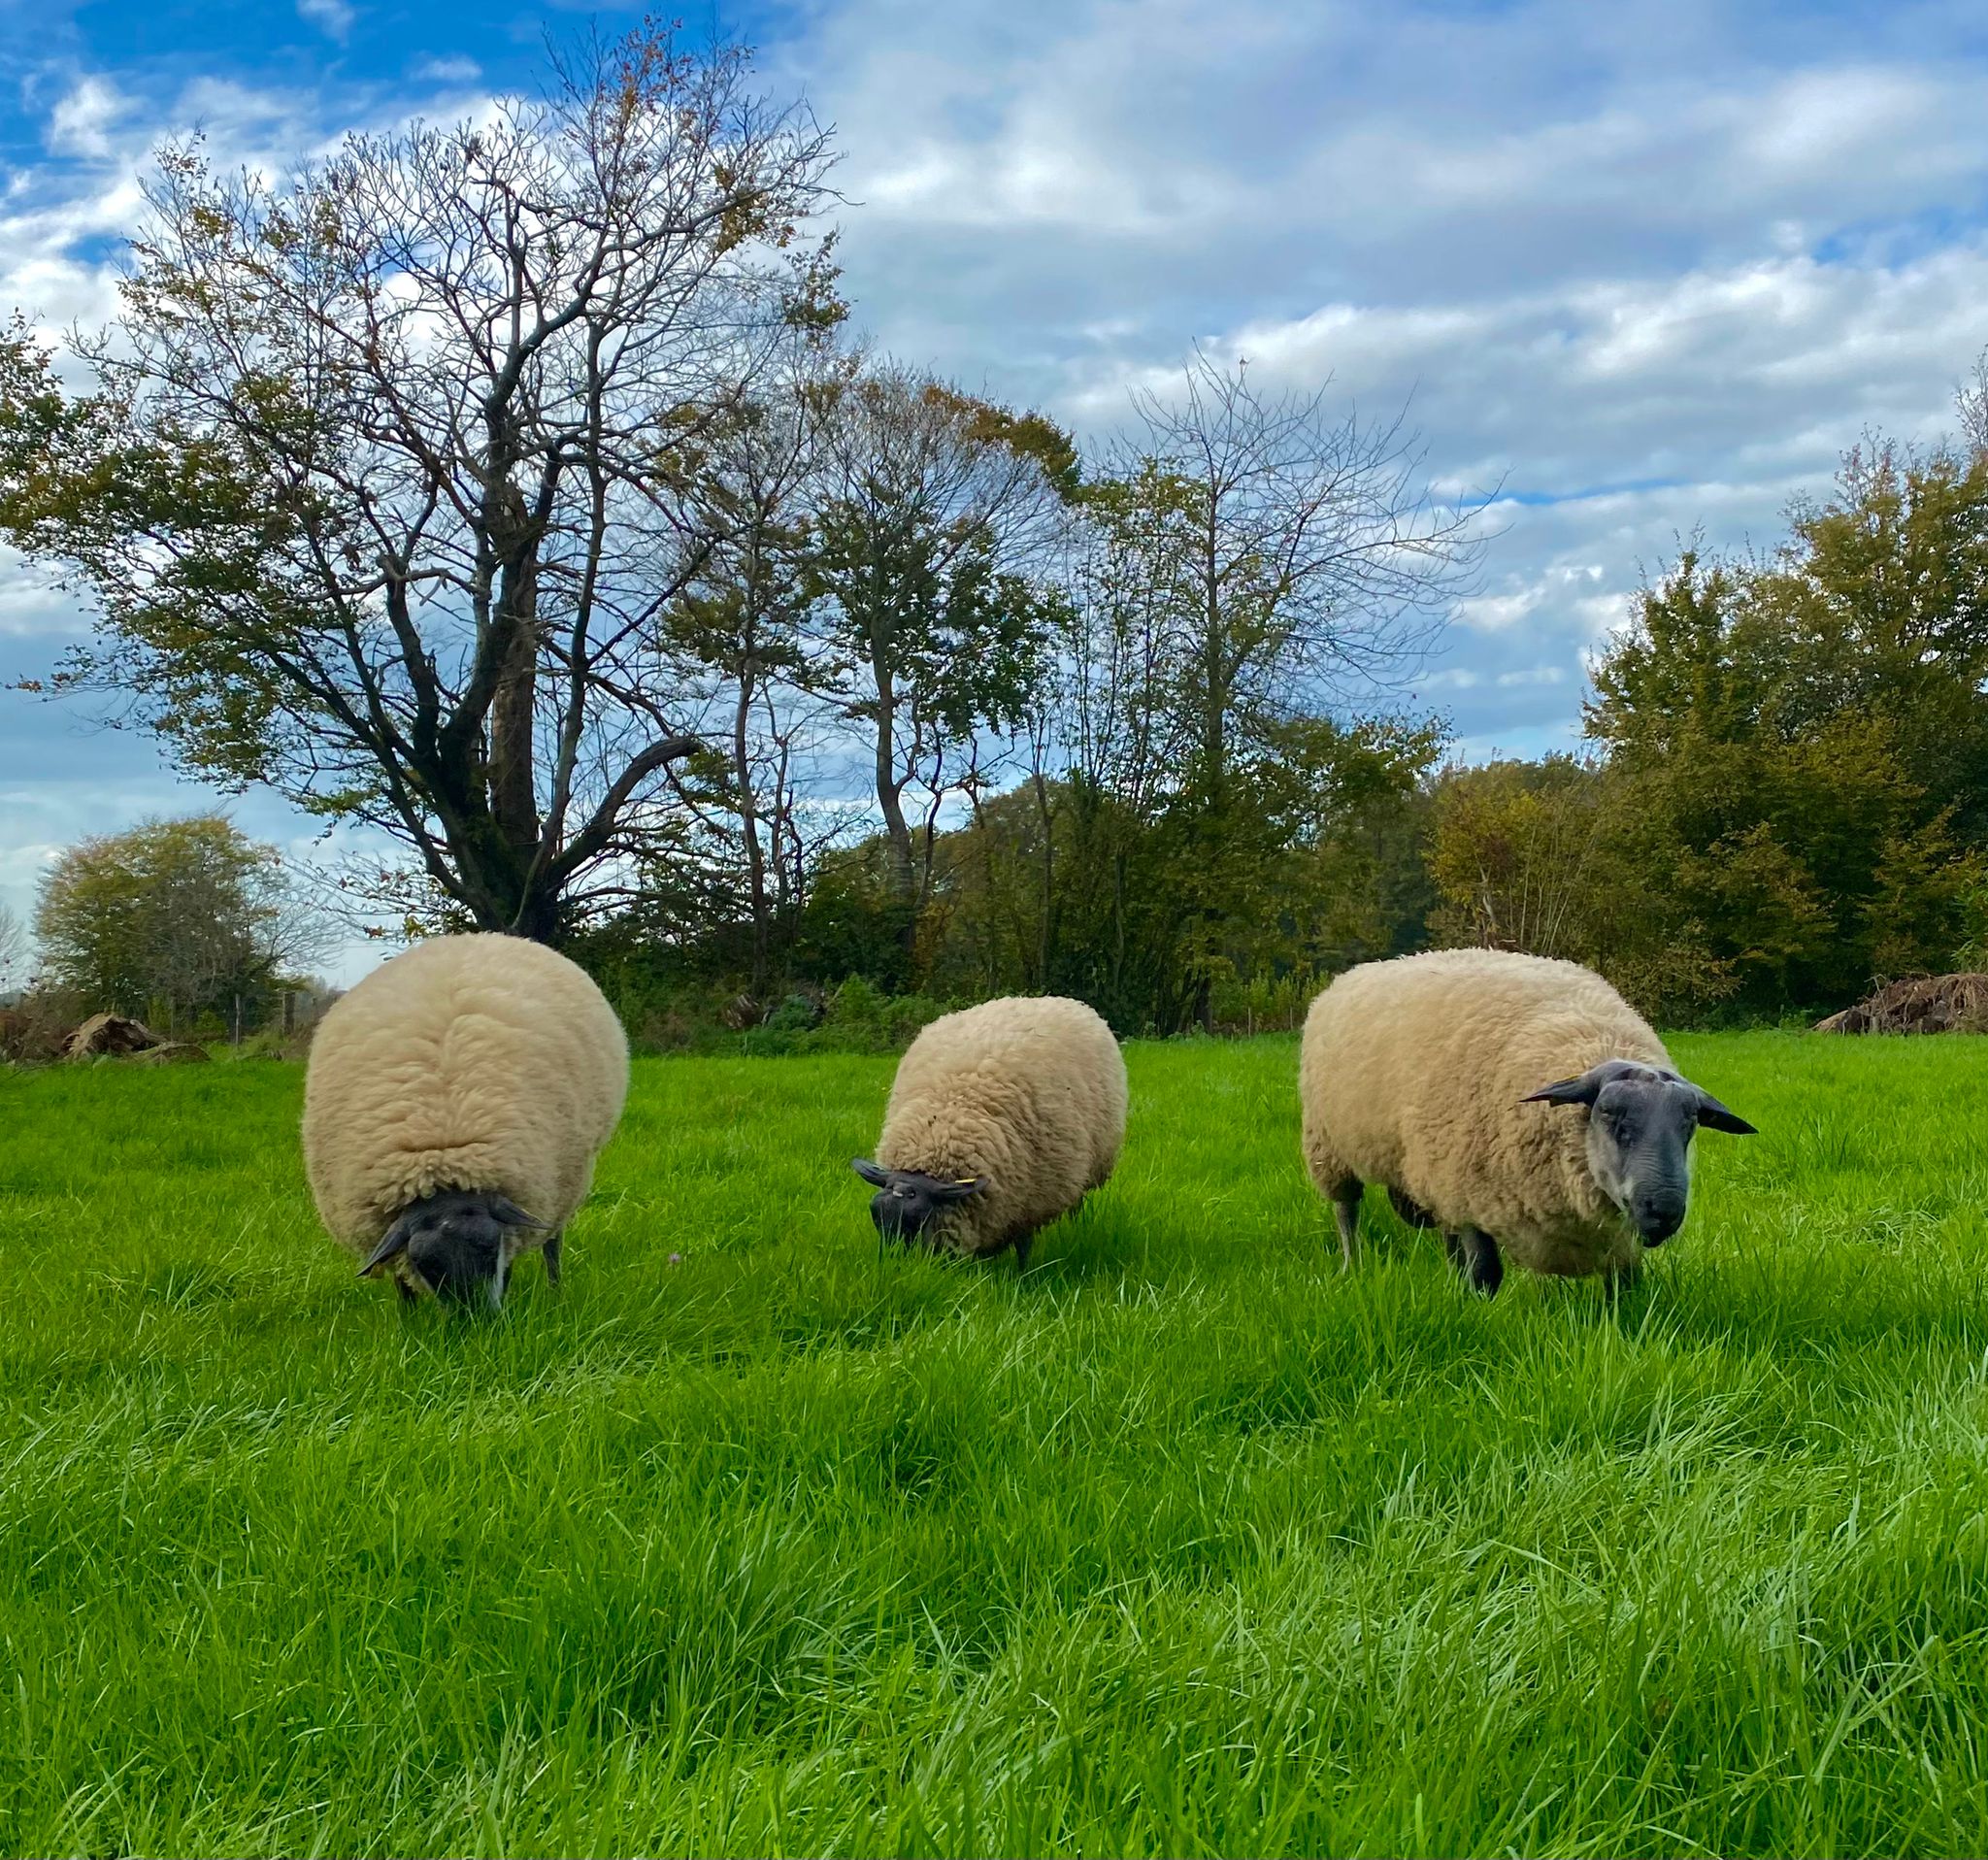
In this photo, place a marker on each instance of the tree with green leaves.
(177, 919)
(379, 484)
(744, 619)
(1058, 890)
(1803, 740)
(927, 565)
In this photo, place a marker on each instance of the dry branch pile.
(1921, 1004)
(110, 1033)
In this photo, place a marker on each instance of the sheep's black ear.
(506, 1211)
(394, 1242)
(1567, 1092)
(959, 1190)
(1714, 1116)
(877, 1177)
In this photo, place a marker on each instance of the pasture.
(1182, 1544)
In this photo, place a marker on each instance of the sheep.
(1002, 1118)
(455, 1104)
(1441, 1076)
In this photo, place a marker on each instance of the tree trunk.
(1214, 663)
(513, 787)
(891, 793)
(1046, 930)
(748, 828)
(1214, 745)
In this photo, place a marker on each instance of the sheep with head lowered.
(455, 1104)
(1515, 1102)
(1000, 1118)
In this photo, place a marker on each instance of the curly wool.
(1411, 1075)
(474, 1062)
(1026, 1094)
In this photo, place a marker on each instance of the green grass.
(1183, 1544)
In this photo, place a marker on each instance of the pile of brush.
(1921, 1004)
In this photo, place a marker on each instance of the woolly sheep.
(1000, 1118)
(1440, 1075)
(455, 1104)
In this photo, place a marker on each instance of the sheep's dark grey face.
(908, 1203)
(1641, 1123)
(459, 1244)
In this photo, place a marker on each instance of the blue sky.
(1651, 267)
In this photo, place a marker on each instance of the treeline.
(989, 714)
(1789, 795)
(1783, 802)
(515, 492)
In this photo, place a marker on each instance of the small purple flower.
(676, 1259)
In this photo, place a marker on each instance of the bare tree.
(1971, 403)
(1316, 563)
(14, 949)
(396, 447)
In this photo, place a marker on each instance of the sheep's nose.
(1657, 1220)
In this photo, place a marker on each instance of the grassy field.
(1181, 1543)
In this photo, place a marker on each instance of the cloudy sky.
(1649, 267)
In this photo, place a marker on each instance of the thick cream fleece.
(477, 1062)
(1411, 1073)
(1027, 1093)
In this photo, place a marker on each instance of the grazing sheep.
(1438, 1076)
(455, 1104)
(1002, 1118)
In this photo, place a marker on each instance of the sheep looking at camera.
(1448, 1076)
(455, 1104)
(1002, 1118)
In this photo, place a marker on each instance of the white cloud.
(459, 70)
(80, 122)
(1533, 675)
(333, 18)
(1646, 267)
(31, 606)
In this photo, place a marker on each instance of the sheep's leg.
(1021, 1253)
(1345, 1210)
(1412, 1212)
(552, 1252)
(1480, 1261)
